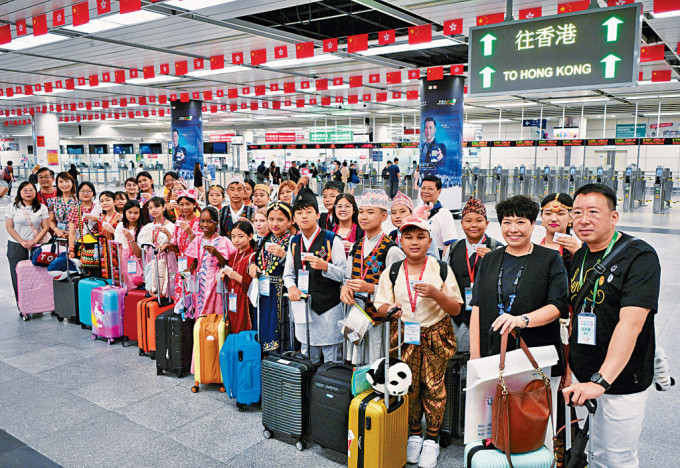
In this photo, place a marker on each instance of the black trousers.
(15, 253)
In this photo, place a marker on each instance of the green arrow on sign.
(486, 76)
(612, 25)
(487, 40)
(610, 65)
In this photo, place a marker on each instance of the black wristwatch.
(598, 379)
(526, 320)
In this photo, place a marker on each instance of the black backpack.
(394, 270)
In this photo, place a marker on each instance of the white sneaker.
(429, 454)
(415, 445)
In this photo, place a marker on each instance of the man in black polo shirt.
(612, 340)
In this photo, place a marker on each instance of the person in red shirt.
(46, 183)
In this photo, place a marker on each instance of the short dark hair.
(396, 160)
(430, 119)
(18, 201)
(90, 185)
(43, 169)
(157, 201)
(130, 179)
(304, 204)
(172, 174)
(435, 179)
(598, 188)
(520, 206)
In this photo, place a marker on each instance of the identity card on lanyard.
(303, 274)
(182, 263)
(131, 267)
(412, 329)
(232, 301)
(263, 285)
(471, 273)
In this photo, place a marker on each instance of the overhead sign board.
(594, 48)
(631, 130)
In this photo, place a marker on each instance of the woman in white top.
(27, 222)
(157, 232)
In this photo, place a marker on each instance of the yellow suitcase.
(210, 331)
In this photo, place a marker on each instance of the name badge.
(303, 281)
(468, 298)
(412, 333)
(232, 302)
(182, 263)
(478, 246)
(132, 267)
(61, 226)
(587, 327)
(414, 282)
(263, 285)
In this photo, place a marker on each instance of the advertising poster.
(187, 137)
(441, 135)
(52, 158)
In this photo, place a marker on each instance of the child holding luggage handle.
(425, 290)
(239, 280)
(157, 232)
(126, 234)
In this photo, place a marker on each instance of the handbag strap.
(28, 218)
(523, 346)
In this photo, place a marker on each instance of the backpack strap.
(394, 270)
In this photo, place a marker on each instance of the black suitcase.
(174, 343)
(286, 379)
(455, 380)
(66, 295)
(330, 398)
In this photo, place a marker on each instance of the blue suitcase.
(477, 455)
(85, 287)
(241, 366)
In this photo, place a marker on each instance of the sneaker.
(415, 445)
(429, 454)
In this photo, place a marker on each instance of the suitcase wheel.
(194, 389)
(25, 318)
(241, 407)
(126, 342)
(93, 337)
(267, 434)
(159, 371)
(110, 341)
(60, 319)
(300, 445)
(141, 352)
(179, 374)
(83, 326)
(222, 389)
(152, 355)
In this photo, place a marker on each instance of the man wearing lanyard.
(612, 342)
(444, 232)
(427, 298)
(368, 258)
(315, 266)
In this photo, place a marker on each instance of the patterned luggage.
(107, 301)
(147, 311)
(85, 288)
(34, 289)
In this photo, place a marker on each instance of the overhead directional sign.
(594, 48)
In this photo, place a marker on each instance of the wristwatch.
(598, 379)
(526, 320)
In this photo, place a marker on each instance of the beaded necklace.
(268, 262)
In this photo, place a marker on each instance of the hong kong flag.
(21, 27)
(165, 69)
(413, 74)
(106, 77)
(258, 57)
(134, 73)
(5, 34)
(129, 6)
(618, 2)
(490, 19)
(181, 68)
(454, 26)
(216, 62)
(529, 13)
(80, 13)
(304, 50)
(374, 78)
(420, 34)
(338, 81)
(652, 53)
(357, 43)
(237, 58)
(281, 52)
(58, 17)
(366, 97)
(393, 77)
(435, 73)
(39, 25)
(387, 37)
(457, 69)
(198, 64)
(103, 7)
(330, 45)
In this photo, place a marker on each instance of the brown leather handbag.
(520, 419)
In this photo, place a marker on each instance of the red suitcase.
(132, 298)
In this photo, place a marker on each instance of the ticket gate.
(571, 182)
(562, 181)
(547, 183)
(519, 180)
(611, 179)
(628, 192)
(663, 188)
(468, 184)
(501, 184)
(480, 183)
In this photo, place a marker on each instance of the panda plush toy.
(399, 378)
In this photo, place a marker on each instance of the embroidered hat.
(417, 222)
(474, 205)
(237, 179)
(262, 187)
(190, 194)
(375, 199)
(305, 195)
(335, 185)
(401, 199)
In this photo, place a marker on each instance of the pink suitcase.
(108, 301)
(34, 288)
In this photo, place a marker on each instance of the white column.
(46, 139)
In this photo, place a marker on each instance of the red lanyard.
(471, 271)
(302, 245)
(561, 249)
(372, 255)
(413, 298)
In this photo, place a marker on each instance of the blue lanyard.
(501, 304)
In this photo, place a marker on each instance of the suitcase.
(455, 380)
(174, 342)
(132, 299)
(147, 311)
(66, 294)
(85, 288)
(286, 379)
(108, 301)
(209, 334)
(378, 425)
(478, 455)
(34, 289)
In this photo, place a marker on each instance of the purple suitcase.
(108, 301)
(34, 288)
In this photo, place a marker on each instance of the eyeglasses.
(44, 177)
(86, 192)
(343, 207)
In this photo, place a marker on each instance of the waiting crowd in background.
(593, 292)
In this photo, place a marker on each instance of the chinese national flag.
(435, 73)
(103, 7)
(326, 101)
(165, 69)
(207, 96)
(88, 106)
(184, 97)
(237, 58)
(289, 87)
(493, 18)
(70, 84)
(142, 100)
(198, 64)
(48, 87)
(652, 53)
(5, 34)
(260, 90)
(149, 72)
(258, 56)
(411, 95)
(21, 27)
(300, 103)
(80, 13)
(123, 102)
(128, 6)
(357, 43)
(457, 69)
(529, 13)
(232, 93)
(28, 90)
(281, 52)
(93, 80)
(58, 17)
(413, 74)
(39, 25)
(387, 37)
(181, 68)
(355, 81)
(304, 50)
(352, 99)
(254, 106)
(330, 45)
(662, 6)
(393, 77)
(216, 62)
(162, 99)
(381, 97)
(420, 34)
(276, 105)
(573, 6)
(322, 84)
(119, 76)
(374, 78)
(618, 2)
(661, 75)
(452, 27)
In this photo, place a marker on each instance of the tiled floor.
(82, 403)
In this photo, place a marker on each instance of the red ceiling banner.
(281, 52)
(357, 43)
(420, 34)
(387, 37)
(80, 14)
(529, 13)
(330, 45)
(40, 25)
(454, 26)
(304, 50)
